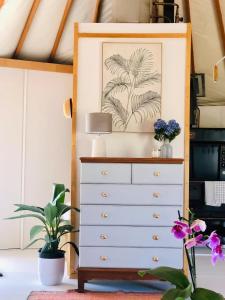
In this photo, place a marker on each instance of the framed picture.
(131, 84)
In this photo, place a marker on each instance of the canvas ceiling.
(39, 41)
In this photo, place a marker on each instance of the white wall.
(89, 87)
(212, 116)
(35, 143)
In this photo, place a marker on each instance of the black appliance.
(207, 163)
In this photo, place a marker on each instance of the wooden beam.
(1, 3)
(34, 65)
(61, 28)
(26, 28)
(132, 35)
(96, 11)
(187, 9)
(220, 22)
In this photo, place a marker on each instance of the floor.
(20, 277)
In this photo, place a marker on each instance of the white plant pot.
(51, 270)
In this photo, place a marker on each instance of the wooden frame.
(78, 35)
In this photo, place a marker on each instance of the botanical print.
(131, 79)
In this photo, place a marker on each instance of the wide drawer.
(128, 215)
(131, 194)
(124, 236)
(105, 173)
(105, 257)
(157, 174)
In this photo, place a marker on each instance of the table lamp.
(98, 123)
(215, 69)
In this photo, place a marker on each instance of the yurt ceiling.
(42, 30)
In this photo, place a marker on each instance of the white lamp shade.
(98, 122)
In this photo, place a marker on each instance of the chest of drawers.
(127, 209)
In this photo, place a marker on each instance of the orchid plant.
(192, 232)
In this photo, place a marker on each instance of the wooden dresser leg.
(80, 286)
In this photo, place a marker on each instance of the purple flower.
(213, 240)
(160, 125)
(217, 253)
(195, 241)
(198, 225)
(180, 230)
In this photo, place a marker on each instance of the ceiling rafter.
(96, 11)
(220, 22)
(61, 29)
(1, 3)
(27, 26)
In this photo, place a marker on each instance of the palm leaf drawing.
(115, 107)
(145, 80)
(117, 64)
(114, 86)
(141, 62)
(146, 105)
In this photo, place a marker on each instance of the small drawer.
(106, 257)
(105, 173)
(131, 194)
(128, 215)
(157, 174)
(125, 236)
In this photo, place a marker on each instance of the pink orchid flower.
(195, 241)
(181, 230)
(198, 225)
(217, 253)
(213, 240)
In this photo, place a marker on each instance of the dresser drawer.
(105, 257)
(157, 174)
(128, 215)
(105, 173)
(124, 236)
(131, 194)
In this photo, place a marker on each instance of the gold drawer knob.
(155, 237)
(155, 259)
(103, 258)
(104, 195)
(156, 195)
(104, 172)
(156, 216)
(156, 173)
(103, 236)
(104, 215)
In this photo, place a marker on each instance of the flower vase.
(166, 150)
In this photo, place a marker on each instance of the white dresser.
(128, 206)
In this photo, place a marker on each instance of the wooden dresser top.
(135, 160)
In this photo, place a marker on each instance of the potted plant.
(50, 231)
(192, 233)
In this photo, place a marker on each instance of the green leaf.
(59, 191)
(174, 276)
(28, 216)
(36, 230)
(50, 213)
(178, 293)
(22, 207)
(34, 241)
(204, 294)
(73, 245)
(65, 228)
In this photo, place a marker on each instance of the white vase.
(166, 150)
(51, 270)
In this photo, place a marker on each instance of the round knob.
(103, 258)
(156, 216)
(155, 237)
(104, 172)
(104, 195)
(156, 195)
(103, 236)
(104, 215)
(155, 259)
(156, 173)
